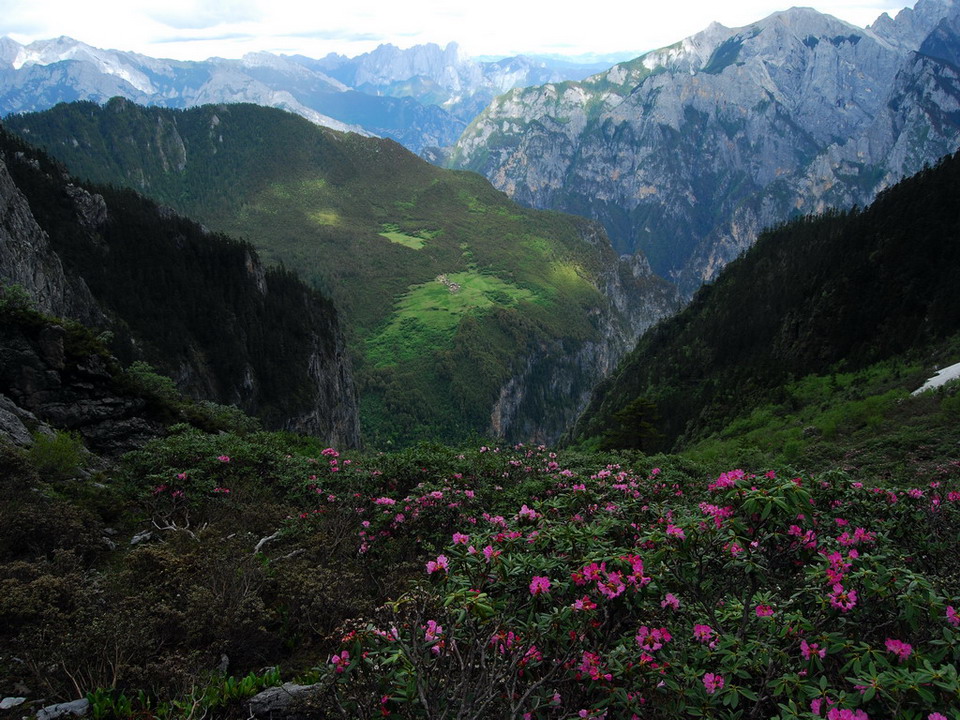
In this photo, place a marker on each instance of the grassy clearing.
(818, 411)
(427, 316)
(415, 240)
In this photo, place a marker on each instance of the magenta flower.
(936, 716)
(670, 600)
(764, 611)
(653, 639)
(223, 458)
(584, 604)
(712, 683)
(441, 563)
(899, 648)
(460, 539)
(703, 633)
(838, 714)
(539, 585)
(843, 600)
(952, 617)
(808, 650)
(341, 662)
(675, 531)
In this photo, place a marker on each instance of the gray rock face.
(421, 97)
(77, 708)
(287, 702)
(41, 381)
(634, 300)
(686, 153)
(27, 260)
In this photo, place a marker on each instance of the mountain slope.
(840, 291)
(467, 313)
(421, 97)
(200, 307)
(688, 152)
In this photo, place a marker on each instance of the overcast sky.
(198, 29)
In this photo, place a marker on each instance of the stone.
(77, 708)
(287, 702)
(11, 702)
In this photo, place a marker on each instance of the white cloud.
(195, 29)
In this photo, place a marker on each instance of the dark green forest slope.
(451, 292)
(197, 305)
(818, 296)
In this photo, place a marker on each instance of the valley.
(297, 425)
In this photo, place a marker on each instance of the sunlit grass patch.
(428, 315)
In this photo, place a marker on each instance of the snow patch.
(939, 379)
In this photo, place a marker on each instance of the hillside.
(467, 314)
(198, 306)
(688, 152)
(819, 296)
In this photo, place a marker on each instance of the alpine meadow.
(302, 417)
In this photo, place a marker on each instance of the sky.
(198, 29)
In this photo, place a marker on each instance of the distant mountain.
(819, 295)
(421, 97)
(466, 313)
(688, 152)
(443, 76)
(198, 306)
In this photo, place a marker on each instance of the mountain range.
(421, 96)
(466, 313)
(797, 321)
(686, 153)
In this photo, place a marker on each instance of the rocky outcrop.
(686, 153)
(46, 378)
(262, 341)
(553, 387)
(285, 702)
(27, 259)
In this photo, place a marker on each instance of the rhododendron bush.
(659, 594)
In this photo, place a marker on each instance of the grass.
(817, 413)
(415, 240)
(428, 315)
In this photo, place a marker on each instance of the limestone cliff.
(687, 152)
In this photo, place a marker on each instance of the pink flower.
(712, 683)
(703, 633)
(899, 648)
(936, 716)
(539, 585)
(528, 513)
(808, 650)
(341, 662)
(223, 458)
(952, 617)
(460, 539)
(764, 611)
(841, 599)
(584, 603)
(613, 586)
(652, 640)
(670, 600)
(674, 531)
(441, 563)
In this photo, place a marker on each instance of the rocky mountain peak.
(912, 25)
(701, 144)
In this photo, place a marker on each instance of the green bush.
(58, 456)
